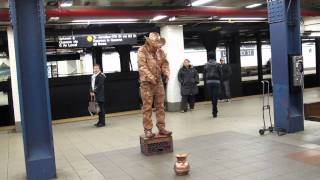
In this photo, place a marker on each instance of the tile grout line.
(77, 133)
(69, 162)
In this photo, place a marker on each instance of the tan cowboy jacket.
(152, 66)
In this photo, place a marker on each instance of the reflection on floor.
(228, 147)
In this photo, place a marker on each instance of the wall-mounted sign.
(247, 52)
(3, 55)
(97, 40)
(223, 53)
(243, 52)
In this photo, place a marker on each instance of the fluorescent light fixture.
(66, 4)
(157, 18)
(315, 34)
(253, 5)
(104, 21)
(200, 2)
(54, 18)
(172, 18)
(212, 17)
(242, 19)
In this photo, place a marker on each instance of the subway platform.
(228, 147)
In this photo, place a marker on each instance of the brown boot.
(149, 134)
(163, 131)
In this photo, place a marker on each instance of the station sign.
(96, 40)
(3, 55)
(243, 52)
(247, 52)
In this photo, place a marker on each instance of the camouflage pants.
(150, 92)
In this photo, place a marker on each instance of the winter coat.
(212, 72)
(99, 87)
(152, 66)
(188, 78)
(226, 72)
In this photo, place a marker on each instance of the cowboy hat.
(155, 38)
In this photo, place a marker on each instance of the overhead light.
(54, 18)
(157, 18)
(239, 21)
(200, 2)
(315, 34)
(253, 5)
(212, 17)
(172, 18)
(89, 21)
(66, 4)
(242, 19)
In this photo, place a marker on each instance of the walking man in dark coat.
(97, 91)
(188, 78)
(212, 76)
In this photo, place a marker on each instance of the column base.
(18, 127)
(173, 107)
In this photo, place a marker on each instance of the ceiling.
(61, 22)
(307, 4)
(194, 25)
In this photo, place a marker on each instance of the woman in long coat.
(188, 78)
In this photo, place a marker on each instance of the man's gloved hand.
(154, 82)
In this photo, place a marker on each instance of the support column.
(284, 20)
(125, 59)
(210, 42)
(14, 79)
(259, 58)
(175, 54)
(234, 56)
(97, 56)
(27, 18)
(318, 60)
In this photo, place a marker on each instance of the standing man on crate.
(153, 71)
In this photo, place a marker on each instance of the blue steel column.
(284, 20)
(27, 18)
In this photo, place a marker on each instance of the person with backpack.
(212, 77)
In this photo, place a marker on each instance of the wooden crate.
(157, 145)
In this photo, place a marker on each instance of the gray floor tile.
(228, 147)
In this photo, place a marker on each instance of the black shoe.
(215, 115)
(101, 125)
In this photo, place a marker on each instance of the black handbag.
(93, 107)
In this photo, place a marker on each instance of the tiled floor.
(225, 155)
(228, 147)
